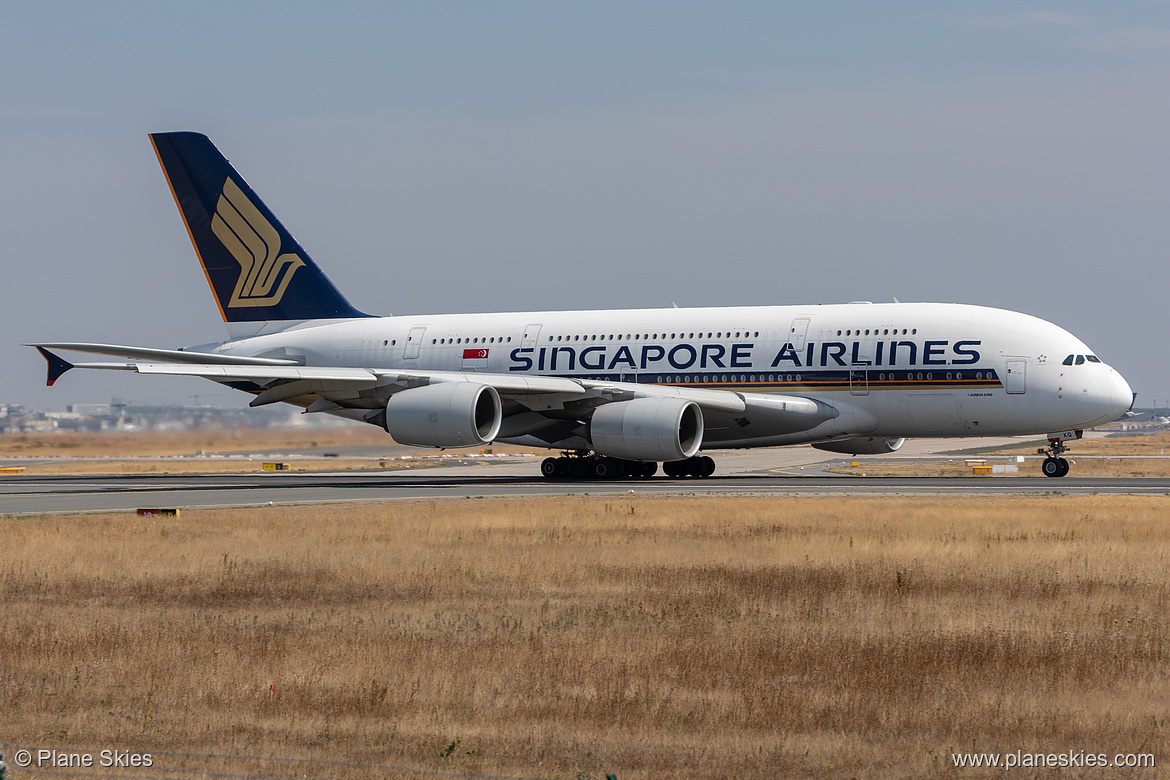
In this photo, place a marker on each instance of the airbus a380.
(617, 391)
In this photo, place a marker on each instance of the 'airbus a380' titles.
(617, 392)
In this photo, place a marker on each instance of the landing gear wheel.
(578, 468)
(701, 467)
(649, 469)
(606, 468)
(706, 466)
(550, 468)
(1052, 467)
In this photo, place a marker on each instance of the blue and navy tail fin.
(257, 271)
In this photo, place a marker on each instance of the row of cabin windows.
(475, 340)
(878, 332)
(731, 378)
(1080, 360)
(723, 334)
(655, 336)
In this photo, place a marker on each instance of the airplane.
(615, 391)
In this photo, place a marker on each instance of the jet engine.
(862, 445)
(447, 414)
(648, 429)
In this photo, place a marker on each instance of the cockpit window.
(1080, 360)
(1092, 358)
(1068, 361)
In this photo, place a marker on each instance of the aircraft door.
(796, 333)
(531, 336)
(1016, 379)
(859, 379)
(414, 342)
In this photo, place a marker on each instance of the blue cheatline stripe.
(805, 380)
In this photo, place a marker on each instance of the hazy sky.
(455, 157)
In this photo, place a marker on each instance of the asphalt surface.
(56, 494)
(780, 471)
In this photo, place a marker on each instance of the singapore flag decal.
(475, 359)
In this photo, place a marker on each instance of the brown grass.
(158, 443)
(753, 638)
(1115, 446)
(199, 466)
(1080, 467)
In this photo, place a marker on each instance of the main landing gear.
(1054, 465)
(599, 467)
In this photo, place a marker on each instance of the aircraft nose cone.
(1121, 395)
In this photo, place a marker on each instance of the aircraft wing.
(274, 380)
(278, 380)
(550, 408)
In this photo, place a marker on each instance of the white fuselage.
(908, 369)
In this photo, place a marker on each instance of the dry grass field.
(1081, 467)
(160, 443)
(178, 452)
(1122, 456)
(1152, 445)
(647, 637)
(209, 466)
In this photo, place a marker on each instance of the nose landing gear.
(1054, 465)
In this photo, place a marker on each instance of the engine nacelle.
(862, 445)
(648, 429)
(447, 414)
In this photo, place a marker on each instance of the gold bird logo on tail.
(254, 243)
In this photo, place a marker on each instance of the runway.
(60, 494)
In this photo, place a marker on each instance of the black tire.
(578, 468)
(707, 466)
(550, 468)
(606, 468)
(670, 468)
(1064, 467)
(1051, 468)
(649, 469)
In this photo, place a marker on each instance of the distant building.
(127, 416)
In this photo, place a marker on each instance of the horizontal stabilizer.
(166, 355)
(57, 365)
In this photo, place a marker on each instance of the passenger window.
(1068, 361)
